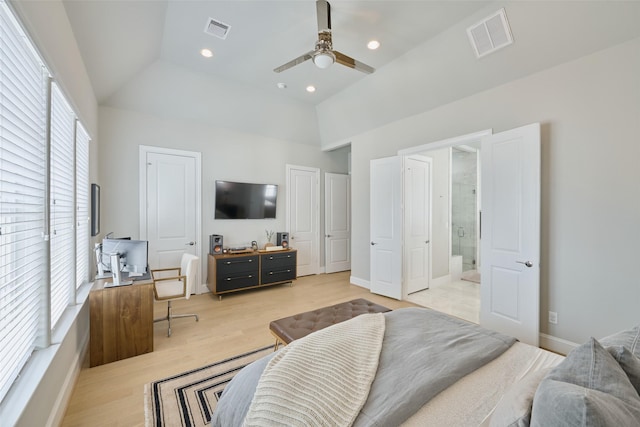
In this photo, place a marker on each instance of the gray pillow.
(629, 363)
(629, 338)
(587, 388)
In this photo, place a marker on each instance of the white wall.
(167, 90)
(590, 115)
(226, 154)
(444, 69)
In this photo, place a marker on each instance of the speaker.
(215, 244)
(282, 239)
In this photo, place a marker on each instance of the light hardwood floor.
(112, 394)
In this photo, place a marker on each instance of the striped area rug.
(188, 399)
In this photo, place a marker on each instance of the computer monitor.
(133, 255)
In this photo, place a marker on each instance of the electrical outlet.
(553, 317)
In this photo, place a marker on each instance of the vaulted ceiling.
(145, 55)
(118, 39)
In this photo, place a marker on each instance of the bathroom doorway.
(454, 287)
(465, 211)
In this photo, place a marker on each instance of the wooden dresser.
(235, 272)
(121, 321)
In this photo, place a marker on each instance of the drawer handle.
(236, 278)
(238, 262)
(279, 272)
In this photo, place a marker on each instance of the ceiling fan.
(323, 54)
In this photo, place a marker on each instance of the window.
(38, 275)
(82, 205)
(22, 194)
(61, 234)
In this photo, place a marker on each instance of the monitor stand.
(116, 273)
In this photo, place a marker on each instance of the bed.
(429, 368)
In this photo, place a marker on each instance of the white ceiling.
(120, 39)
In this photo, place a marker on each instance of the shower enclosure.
(464, 206)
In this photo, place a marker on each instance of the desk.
(121, 321)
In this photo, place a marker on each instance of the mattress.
(471, 400)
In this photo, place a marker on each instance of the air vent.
(491, 34)
(217, 28)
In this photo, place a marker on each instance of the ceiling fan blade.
(345, 60)
(299, 60)
(323, 13)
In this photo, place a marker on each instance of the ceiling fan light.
(324, 59)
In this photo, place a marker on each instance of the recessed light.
(206, 53)
(373, 44)
(282, 85)
(311, 89)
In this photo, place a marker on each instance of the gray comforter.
(423, 353)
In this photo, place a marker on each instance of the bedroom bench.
(300, 325)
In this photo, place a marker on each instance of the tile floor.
(460, 298)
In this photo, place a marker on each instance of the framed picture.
(95, 210)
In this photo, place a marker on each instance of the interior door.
(386, 227)
(303, 216)
(417, 223)
(171, 213)
(337, 222)
(510, 242)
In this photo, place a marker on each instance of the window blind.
(62, 238)
(82, 205)
(22, 194)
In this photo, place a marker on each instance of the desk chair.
(175, 286)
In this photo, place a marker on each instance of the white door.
(417, 223)
(337, 222)
(386, 227)
(303, 216)
(510, 241)
(170, 205)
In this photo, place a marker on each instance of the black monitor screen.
(240, 200)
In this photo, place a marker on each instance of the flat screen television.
(241, 200)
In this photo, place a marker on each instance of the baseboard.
(557, 345)
(359, 282)
(64, 397)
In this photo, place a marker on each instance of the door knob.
(373, 243)
(328, 235)
(426, 241)
(190, 244)
(526, 263)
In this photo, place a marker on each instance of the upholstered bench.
(300, 325)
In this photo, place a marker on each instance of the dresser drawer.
(281, 274)
(230, 282)
(277, 260)
(227, 266)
